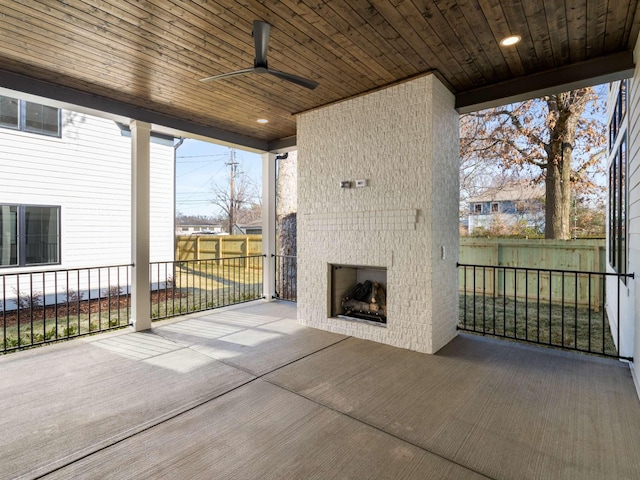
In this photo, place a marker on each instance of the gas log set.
(366, 301)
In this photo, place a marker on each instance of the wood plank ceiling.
(150, 54)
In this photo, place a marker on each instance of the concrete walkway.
(247, 393)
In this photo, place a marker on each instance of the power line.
(205, 164)
(204, 156)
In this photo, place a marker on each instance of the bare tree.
(558, 139)
(182, 219)
(236, 197)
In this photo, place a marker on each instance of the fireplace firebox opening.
(358, 292)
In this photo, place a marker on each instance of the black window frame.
(618, 184)
(22, 237)
(22, 121)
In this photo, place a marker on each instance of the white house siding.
(162, 203)
(630, 308)
(87, 173)
(618, 293)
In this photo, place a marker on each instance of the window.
(477, 208)
(618, 183)
(618, 209)
(9, 108)
(29, 117)
(8, 235)
(495, 208)
(29, 235)
(619, 112)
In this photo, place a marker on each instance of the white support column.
(269, 224)
(140, 194)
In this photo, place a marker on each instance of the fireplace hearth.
(359, 292)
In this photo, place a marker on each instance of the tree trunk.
(565, 111)
(558, 201)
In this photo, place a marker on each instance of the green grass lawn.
(569, 327)
(200, 286)
(195, 300)
(192, 287)
(45, 326)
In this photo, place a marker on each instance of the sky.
(200, 165)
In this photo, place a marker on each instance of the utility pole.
(232, 190)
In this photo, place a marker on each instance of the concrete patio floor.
(247, 393)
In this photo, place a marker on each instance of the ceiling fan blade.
(261, 40)
(230, 74)
(290, 77)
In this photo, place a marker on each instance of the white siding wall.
(162, 203)
(619, 295)
(631, 308)
(87, 172)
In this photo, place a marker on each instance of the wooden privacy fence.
(208, 247)
(550, 255)
(535, 285)
(586, 255)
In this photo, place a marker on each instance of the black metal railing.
(48, 306)
(286, 277)
(188, 286)
(558, 308)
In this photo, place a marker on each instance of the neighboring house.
(198, 229)
(519, 203)
(251, 228)
(65, 200)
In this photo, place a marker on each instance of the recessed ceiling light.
(509, 41)
(262, 120)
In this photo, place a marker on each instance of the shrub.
(74, 296)
(112, 291)
(51, 334)
(11, 342)
(69, 332)
(27, 301)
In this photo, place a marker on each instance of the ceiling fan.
(261, 40)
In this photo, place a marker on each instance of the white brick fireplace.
(403, 141)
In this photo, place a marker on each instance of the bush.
(51, 334)
(112, 291)
(27, 301)
(69, 332)
(10, 342)
(73, 296)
